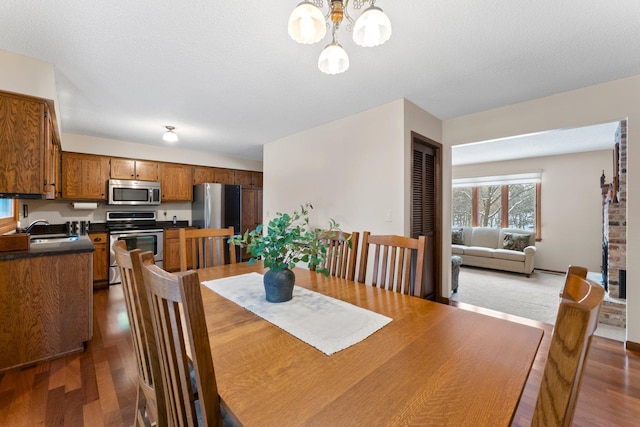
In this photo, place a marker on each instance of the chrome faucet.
(34, 223)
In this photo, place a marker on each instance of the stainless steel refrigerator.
(217, 206)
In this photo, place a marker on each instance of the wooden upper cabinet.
(248, 179)
(243, 178)
(202, 174)
(176, 182)
(22, 144)
(84, 176)
(225, 176)
(142, 170)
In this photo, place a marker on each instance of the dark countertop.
(83, 244)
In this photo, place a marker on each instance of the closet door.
(426, 207)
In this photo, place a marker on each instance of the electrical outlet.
(387, 216)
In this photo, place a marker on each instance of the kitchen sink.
(52, 238)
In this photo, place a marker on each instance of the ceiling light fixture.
(170, 135)
(307, 25)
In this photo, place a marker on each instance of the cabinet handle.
(97, 239)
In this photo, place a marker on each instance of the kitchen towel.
(326, 323)
(84, 205)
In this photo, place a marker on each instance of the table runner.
(326, 323)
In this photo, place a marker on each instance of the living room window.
(509, 201)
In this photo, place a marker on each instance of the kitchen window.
(509, 201)
(8, 215)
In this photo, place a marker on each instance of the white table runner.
(326, 323)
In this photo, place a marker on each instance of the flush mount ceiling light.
(307, 25)
(170, 135)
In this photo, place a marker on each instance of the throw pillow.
(515, 241)
(456, 237)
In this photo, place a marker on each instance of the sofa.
(508, 249)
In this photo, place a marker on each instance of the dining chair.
(342, 252)
(150, 404)
(576, 322)
(398, 263)
(208, 247)
(177, 314)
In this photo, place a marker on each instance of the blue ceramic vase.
(278, 285)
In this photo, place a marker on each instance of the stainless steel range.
(140, 231)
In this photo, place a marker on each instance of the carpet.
(536, 297)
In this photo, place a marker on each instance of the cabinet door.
(176, 182)
(202, 174)
(243, 178)
(22, 141)
(123, 168)
(171, 261)
(146, 170)
(251, 212)
(84, 176)
(100, 257)
(225, 176)
(256, 179)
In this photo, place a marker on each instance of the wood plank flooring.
(98, 387)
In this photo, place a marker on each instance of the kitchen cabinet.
(142, 170)
(177, 182)
(251, 212)
(225, 176)
(100, 241)
(84, 176)
(171, 261)
(26, 145)
(46, 307)
(248, 179)
(202, 174)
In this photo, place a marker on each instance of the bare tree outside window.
(490, 206)
(462, 207)
(522, 206)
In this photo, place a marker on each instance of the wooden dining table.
(433, 364)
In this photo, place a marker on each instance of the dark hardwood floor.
(97, 387)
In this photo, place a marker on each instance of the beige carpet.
(536, 297)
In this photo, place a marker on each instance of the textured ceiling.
(228, 76)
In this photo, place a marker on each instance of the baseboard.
(542, 270)
(633, 346)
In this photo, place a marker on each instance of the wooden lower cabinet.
(100, 259)
(251, 212)
(50, 313)
(171, 261)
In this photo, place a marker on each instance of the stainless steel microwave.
(130, 192)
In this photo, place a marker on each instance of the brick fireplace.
(615, 235)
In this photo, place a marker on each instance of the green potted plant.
(287, 240)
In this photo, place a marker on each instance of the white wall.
(602, 103)
(353, 170)
(571, 204)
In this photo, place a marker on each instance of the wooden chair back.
(150, 405)
(574, 270)
(342, 252)
(576, 322)
(208, 247)
(397, 259)
(181, 330)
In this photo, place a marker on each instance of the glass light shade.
(307, 24)
(372, 28)
(170, 136)
(333, 59)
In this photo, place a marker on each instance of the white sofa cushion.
(457, 249)
(486, 237)
(479, 251)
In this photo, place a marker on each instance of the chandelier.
(307, 25)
